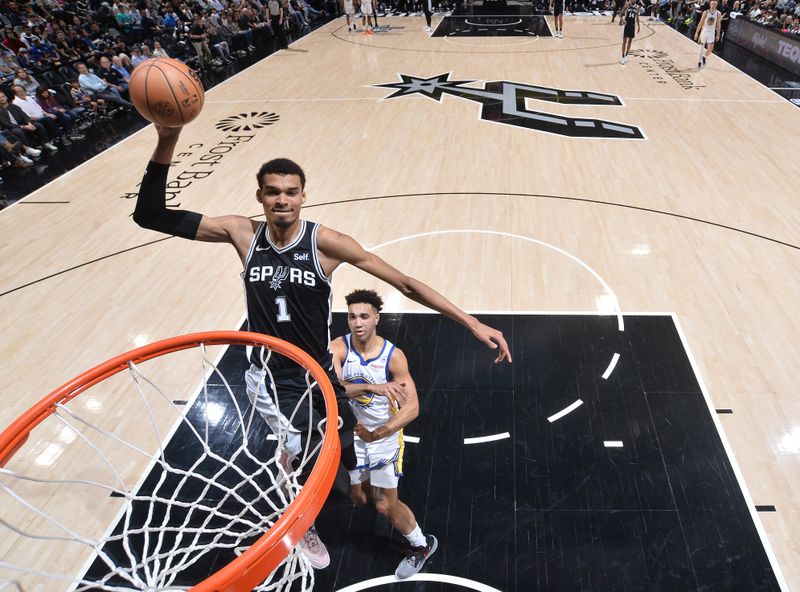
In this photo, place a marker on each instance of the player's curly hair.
(365, 296)
(280, 166)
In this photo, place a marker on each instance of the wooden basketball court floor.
(697, 219)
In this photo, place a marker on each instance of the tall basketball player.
(288, 263)
(708, 32)
(630, 18)
(384, 399)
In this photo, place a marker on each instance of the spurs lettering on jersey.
(277, 275)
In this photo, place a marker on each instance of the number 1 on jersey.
(283, 312)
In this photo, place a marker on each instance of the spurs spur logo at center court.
(504, 102)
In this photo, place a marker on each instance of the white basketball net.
(179, 519)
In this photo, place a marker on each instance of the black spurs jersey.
(630, 14)
(288, 295)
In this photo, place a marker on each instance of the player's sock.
(415, 537)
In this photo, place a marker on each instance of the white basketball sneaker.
(315, 549)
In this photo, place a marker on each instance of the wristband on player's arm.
(151, 206)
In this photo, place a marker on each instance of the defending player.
(384, 399)
(708, 32)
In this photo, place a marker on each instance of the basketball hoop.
(234, 510)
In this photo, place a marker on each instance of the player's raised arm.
(152, 212)
(336, 248)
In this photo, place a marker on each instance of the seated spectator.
(241, 41)
(136, 56)
(25, 61)
(158, 51)
(81, 99)
(122, 70)
(67, 117)
(44, 54)
(8, 64)
(12, 152)
(124, 22)
(26, 81)
(53, 123)
(150, 26)
(12, 41)
(97, 88)
(111, 76)
(218, 44)
(170, 20)
(66, 49)
(15, 122)
(27, 36)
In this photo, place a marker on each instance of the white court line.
(420, 577)
(516, 22)
(411, 439)
(611, 366)
(482, 439)
(260, 101)
(704, 100)
(564, 411)
(588, 313)
(776, 568)
(609, 291)
(730, 65)
(612, 443)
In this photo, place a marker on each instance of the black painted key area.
(632, 490)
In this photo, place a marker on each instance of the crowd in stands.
(66, 64)
(783, 15)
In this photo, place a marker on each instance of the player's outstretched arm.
(336, 248)
(398, 369)
(152, 212)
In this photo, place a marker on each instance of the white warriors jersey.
(371, 410)
(711, 20)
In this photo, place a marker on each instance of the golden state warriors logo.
(364, 400)
(504, 102)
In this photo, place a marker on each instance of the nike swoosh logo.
(263, 248)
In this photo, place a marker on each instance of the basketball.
(166, 91)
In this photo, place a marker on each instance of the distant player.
(427, 8)
(349, 12)
(708, 32)
(630, 18)
(557, 7)
(384, 399)
(618, 4)
(366, 16)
